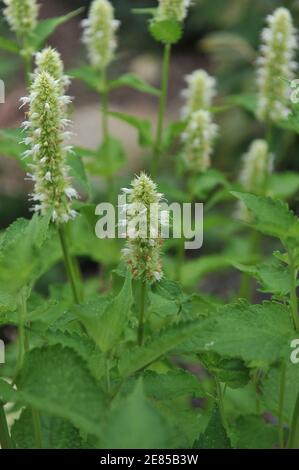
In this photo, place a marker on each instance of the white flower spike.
(276, 65)
(199, 94)
(45, 128)
(100, 33)
(21, 16)
(173, 9)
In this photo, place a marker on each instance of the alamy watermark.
(161, 220)
(295, 353)
(2, 92)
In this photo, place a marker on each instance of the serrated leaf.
(272, 217)
(174, 384)
(105, 320)
(232, 372)
(57, 433)
(143, 127)
(166, 31)
(273, 276)
(135, 424)
(56, 380)
(246, 100)
(283, 185)
(249, 332)
(10, 145)
(133, 81)
(215, 436)
(47, 27)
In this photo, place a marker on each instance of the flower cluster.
(144, 219)
(276, 65)
(173, 9)
(200, 91)
(46, 134)
(99, 33)
(198, 140)
(21, 16)
(49, 60)
(257, 165)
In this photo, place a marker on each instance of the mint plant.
(143, 354)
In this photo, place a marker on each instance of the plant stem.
(294, 434)
(5, 439)
(23, 340)
(105, 126)
(293, 293)
(221, 404)
(107, 370)
(140, 332)
(37, 429)
(281, 403)
(69, 266)
(162, 109)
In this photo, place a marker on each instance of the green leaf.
(133, 81)
(203, 184)
(144, 11)
(57, 433)
(271, 387)
(55, 380)
(135, 424)
(154, 348)
(172, 132)
(172, 385)
(110, 158)
(283, 185)
(215, 436)
(272, 217)
(251, 432)
(248, 332)
(143, 127)
(9, 45)
(273, 276)
(88, 75)
(232, 372)
(166, 31)
(77, 171)
(46, 28)
(106, 320)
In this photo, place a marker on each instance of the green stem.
(37, 429)
(140, 332)
(69, 266)
(294, 434)
(221, 404)
(293, 293)
(5, 439)
(105, 106)
(162, 109)
(23, 340)
(282, 389)
(107, 371)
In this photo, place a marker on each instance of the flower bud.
(99, 33)
(144, 220)
(49, 60)
(173, 9)
(276, 65)
(199, 93)
(21, 16)
(198, 141)
(46, 134)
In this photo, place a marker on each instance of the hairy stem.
(69, 266)
(5, 439)
(162, 109)
(282, 389)
(140, 332)
(294, 434)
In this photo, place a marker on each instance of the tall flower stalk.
(22, 16)
(144, 220)
(276, 65)
(173, 10)
(47, 132)
(99, 36)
